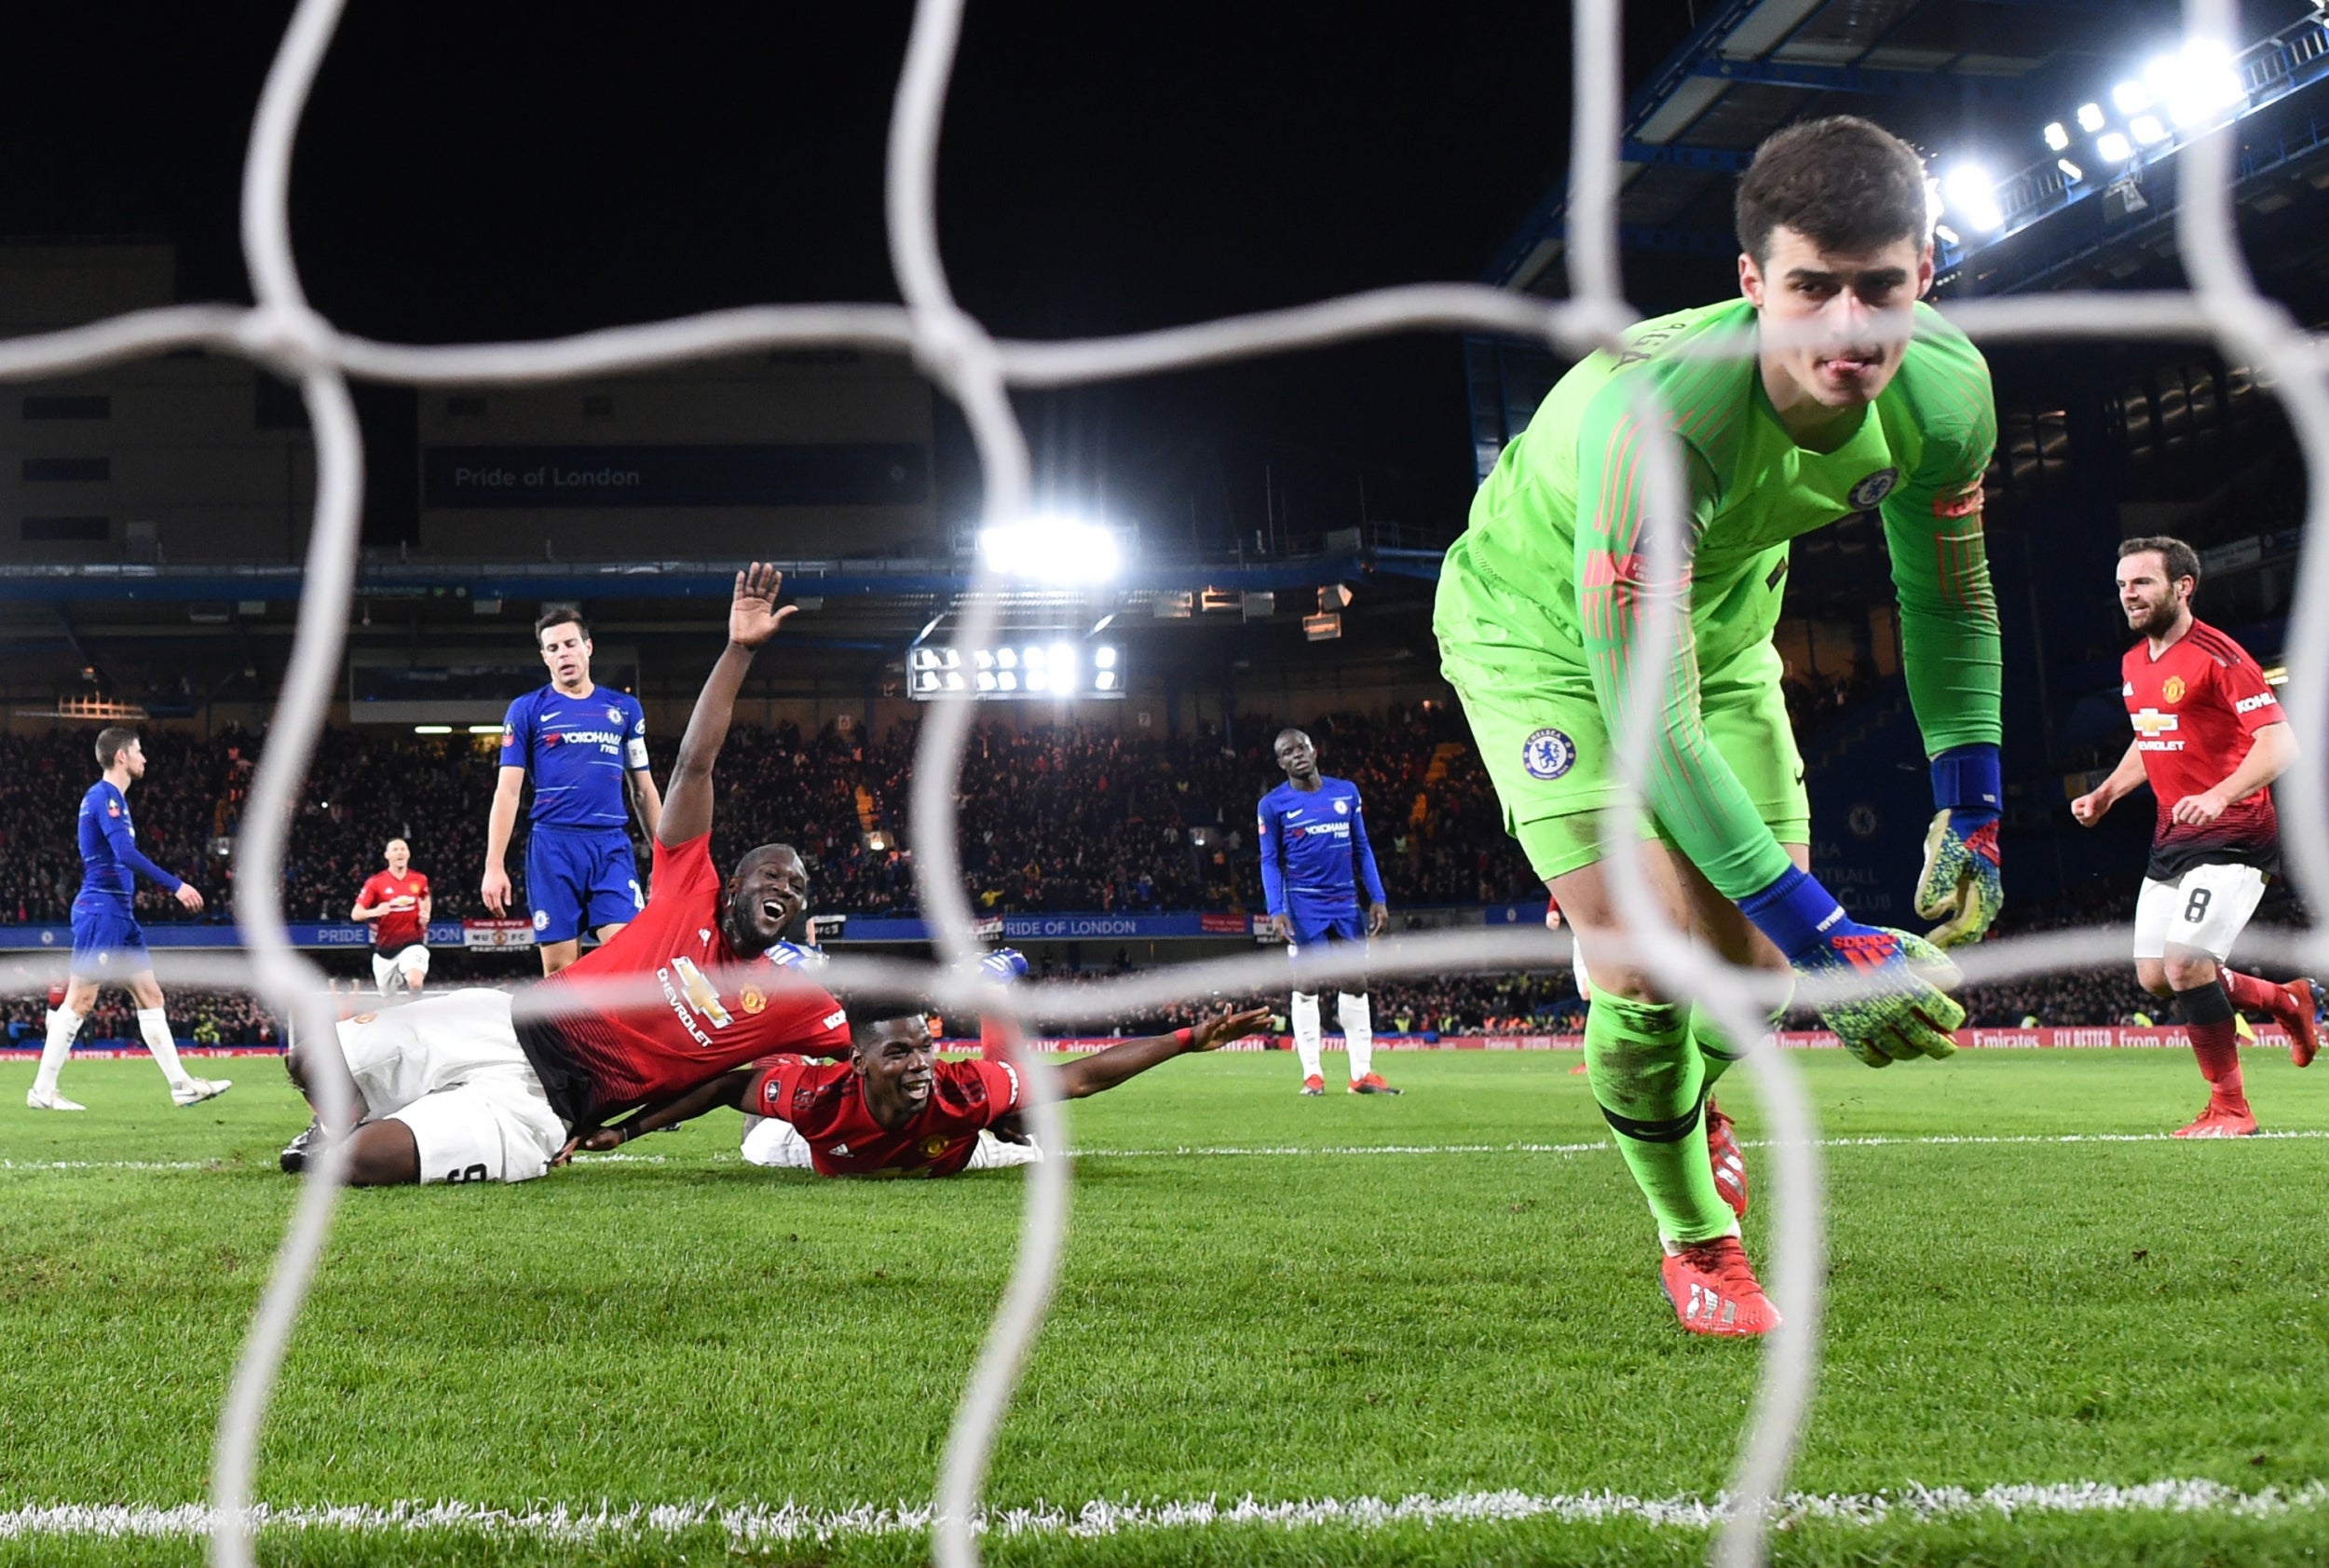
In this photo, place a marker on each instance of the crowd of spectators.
(1053, 817)
(207, 1017)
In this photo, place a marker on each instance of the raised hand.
(753, 616)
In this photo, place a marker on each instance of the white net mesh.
(286, 336)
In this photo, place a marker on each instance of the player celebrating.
(397, 902)
(580, 743)
(1843, 396)
(2210, 739)
(464, 1086)
(1314, 853)
(108, 946)
(894, 1109)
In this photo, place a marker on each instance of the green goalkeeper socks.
(1649, 1077)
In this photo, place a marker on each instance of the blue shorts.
(107, 944)
(579, 881)
(1316, 935)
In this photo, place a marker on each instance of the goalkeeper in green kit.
(1842, 395)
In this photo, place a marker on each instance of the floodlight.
(1103, 657)
(2148, 129)
(1033, 658)
(925, 680)
(1948, 234)
(2071, 171)
(1105, 680)
(1972, 196)
(925, 659)
(985, 681)
(426, 729)
(2197, 82)
(1063, 656)
(1006, 659)
(2056, 137)
(484, 728)
(1037, 680)
(984, 658)
(2090, 118)
(1052, 550)
(2115, 146)
(2131, 98)
(954, 680)
(1006, 682)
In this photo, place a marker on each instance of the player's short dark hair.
(112, 741)
(1843, 182)
(2182, 559)
(560, 615)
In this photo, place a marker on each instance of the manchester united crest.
(753, 999)
(2173, 690)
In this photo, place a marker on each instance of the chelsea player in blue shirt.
(108, 948)
(581, 744)
(1314, 855)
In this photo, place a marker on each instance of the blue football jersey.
(110, 860)
(576, 750)
(1314, 854)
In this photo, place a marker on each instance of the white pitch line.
(754, 1524)
(1289, 1151)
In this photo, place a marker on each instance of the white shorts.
(412, 962)
(2205, 909)
(769, 1140)
(448, 1067)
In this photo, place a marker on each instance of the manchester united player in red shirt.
(397, 902)
(894, 1109)
(464, 1086)
(2210, 739)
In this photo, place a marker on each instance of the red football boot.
(1314, 1085)
(1373, 1084)
(2302, 1020)
(2221, 1122)
(1713, 1290)
(1730, 1165)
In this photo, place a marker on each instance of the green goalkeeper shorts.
(1539, 727)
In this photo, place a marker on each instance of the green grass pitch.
(1302, 1321)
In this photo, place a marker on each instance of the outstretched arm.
(1104, 1069)
(752, 619)
(729, 1088)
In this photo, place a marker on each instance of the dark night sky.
(516, 169)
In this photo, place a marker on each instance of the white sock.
(1306, 1032)
(154, 1024)
(1358, 1032)
(63, 1027)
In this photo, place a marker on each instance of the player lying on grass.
(1873, 404)
(894, 1108)
(466, 1086)
(2210, 739)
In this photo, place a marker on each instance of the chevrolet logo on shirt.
(700, 993)
(2151, 723)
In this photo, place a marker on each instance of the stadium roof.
(1972, 82)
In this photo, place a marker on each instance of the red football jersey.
(399, 929)
(2196, 710)
(716, 1012)
(826, 1105)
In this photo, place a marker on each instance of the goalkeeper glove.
(1902, 1008)
(792, 955)
(1003, 966)
(1959, 885)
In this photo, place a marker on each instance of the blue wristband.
(1968, 779)
(1795, 912)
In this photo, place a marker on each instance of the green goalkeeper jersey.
(1560, 525)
